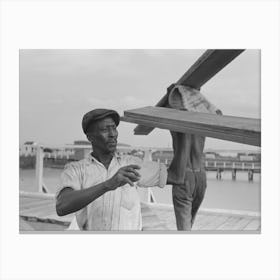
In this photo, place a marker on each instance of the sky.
(57, 87)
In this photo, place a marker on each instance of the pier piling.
(233, 174)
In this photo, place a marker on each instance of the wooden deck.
(37, 213)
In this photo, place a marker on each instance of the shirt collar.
(91, 158)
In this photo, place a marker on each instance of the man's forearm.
(70, 201)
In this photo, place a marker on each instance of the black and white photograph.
(140, 140)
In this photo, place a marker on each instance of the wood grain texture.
(236, 129)
(207, 66)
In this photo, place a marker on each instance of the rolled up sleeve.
(69, 178)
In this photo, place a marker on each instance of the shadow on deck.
(37, 213)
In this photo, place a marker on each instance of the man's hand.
(70, 201)
(125, 175)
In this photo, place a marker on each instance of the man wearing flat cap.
(101, 189)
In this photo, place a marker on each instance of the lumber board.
(230, 128)
(207, 66)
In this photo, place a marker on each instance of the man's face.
(103, 135)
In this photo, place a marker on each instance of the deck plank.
(202, 221)
(155, 217)
(253, 225)
(24, 226)
(37, 206)
(213, 224)
(39, 209)
(236, 223)
(64, 219)
(164, 219)
(241, 223)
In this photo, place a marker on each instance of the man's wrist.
(107, 185)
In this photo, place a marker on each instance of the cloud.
(58, 86)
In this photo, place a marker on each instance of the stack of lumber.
(207, 66)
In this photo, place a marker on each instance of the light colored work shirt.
(118, 209)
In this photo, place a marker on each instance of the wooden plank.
(150, 223)
(53, 219)
(255, 224)
(24, 226)
(236, 129)
(156, 217)
(213, 224)
(229, 212)
(38, 225)
(64, 219)
(201, 221)
(37, 195)
(33, 204)
(26, 201)
(168, 218)
(241, 224)
(238, 223)
(228, 224)
(38, 210)
(208, 65)
(157, 227)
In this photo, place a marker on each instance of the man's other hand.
(125, 175)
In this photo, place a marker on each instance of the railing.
(216, 165)
(39, 169)
(229, 165)
(225, 165)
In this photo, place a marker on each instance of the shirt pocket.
(95, 214)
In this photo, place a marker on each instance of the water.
(223, 194)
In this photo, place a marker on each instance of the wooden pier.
(37, 213)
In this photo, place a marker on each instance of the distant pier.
(219, 166)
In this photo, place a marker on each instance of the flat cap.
(99, 114)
